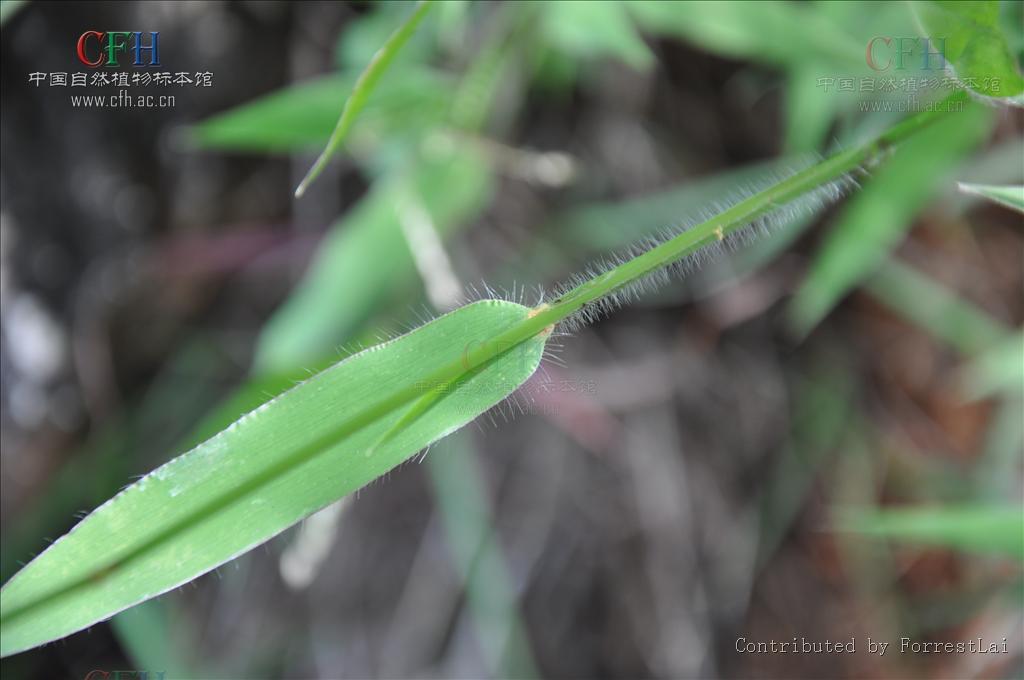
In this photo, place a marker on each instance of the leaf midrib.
(441, 380)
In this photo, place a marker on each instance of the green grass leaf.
(935, 308)
(301, 117)
(360, 94)
(362, 36)
(147, 635)
(600, 226)
(821, 417)
(595, 29)
(996, 530)
(763, 30)
(1000, 368)
(1011, 197)
(274, 466)
(875, 220)
(809, 109)
(365, 258)
(460, 488)
(8, 8)
(974, 44)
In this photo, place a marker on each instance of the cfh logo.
(882, 51)
(105, 48)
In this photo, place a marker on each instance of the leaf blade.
(248, 483)
(362, 89)
(997, 530)
(974, 44)
(1008, 196)
(301, 117)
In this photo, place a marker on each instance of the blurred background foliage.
(821, 436)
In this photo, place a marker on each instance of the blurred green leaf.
(766, 31)
(996, 475)
(1001, 368)
(1011, 16)
(307, 448)
(475, 96)
(993, 529)
(460, 490)
(997, 352)
(935, 308)
(1011, 197)
(606, 225)
(973, 42)
(365, 257)
(595, 29)
(809, 110)
(876, 218)
(814, 95)
(501, 48)
(363, 35)
(997, 165)
(145, 632)
(553, 71)
(603, 226)
(302, 117)
(363, 89)
(822, 414)
(8, 8)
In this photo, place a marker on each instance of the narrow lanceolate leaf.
(995, 529)
(1011, 197)
(361, 92)
(302, 116)
(299, 452)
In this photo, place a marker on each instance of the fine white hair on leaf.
(518, 293)
(803, 206)
(781, 215)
